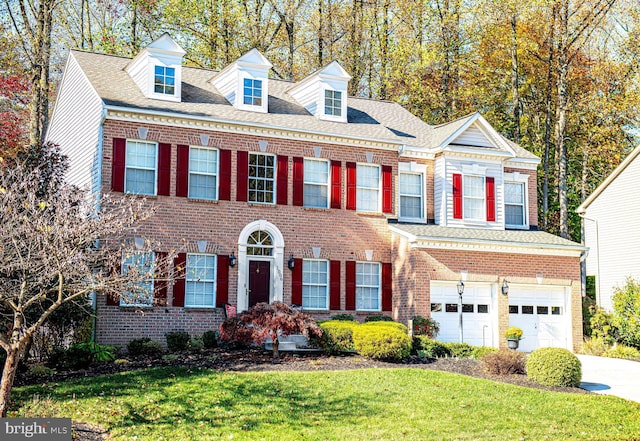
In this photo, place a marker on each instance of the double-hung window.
(368, 187)
(332, 102)
(315, 284)
(474, 197)
(141, 266)
(514, 204)
(203, 173)
(316, 183)
(262, 172)
(368, 287)
(200, 281)
(164, 80)
(141, 167)
(411, 195)
(252, 92)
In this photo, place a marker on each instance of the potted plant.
(513, 336)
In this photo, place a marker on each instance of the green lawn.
(369, 404)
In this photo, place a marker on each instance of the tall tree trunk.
(548, 119)
(8, 375)
(320, 34)
(561, 118)
(515, 78)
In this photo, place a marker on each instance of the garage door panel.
(477, 315)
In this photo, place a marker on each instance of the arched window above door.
(260, 243)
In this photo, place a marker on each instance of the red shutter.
(161, 284)
(224, 175)
(114, 300)
(387, 287)
(118, 165)
(298, 181)
(164, 169)
(350, 303)
(282, 182)
(182, 171)
(336, 184)
(222, 281)
(179, 270)
(457, 196)
(296, 282)
(242, 177)
(334, 285)
(351, 185)
(387, 189)
(491, 200)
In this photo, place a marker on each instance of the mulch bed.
(261, 361)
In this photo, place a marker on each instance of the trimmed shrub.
(195, 343)
(460, 350)
(622, 351)
(381, 342)
(425, 326)
(210, 339)
(388, 324)
(481, 351)
(428, 348)
(337, 336)
(504, 362)
(378, 318)
(144, 347)
(342, 318)
(595, 346)
(178, 341)
(73, 357)
(554, 367)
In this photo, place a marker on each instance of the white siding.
(617, 241)
(475, 137)
(439, 188)
(76, 127)
(493, 169)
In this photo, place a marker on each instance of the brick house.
(297, 192)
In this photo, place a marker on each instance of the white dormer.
(245, 83)
(324, 93)
(157, 69)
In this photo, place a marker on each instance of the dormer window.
(333, 103)
(164, 80)
(252, 92)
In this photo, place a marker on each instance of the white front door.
(478, 313)
(543, 314)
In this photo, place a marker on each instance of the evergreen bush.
(554, 367)
(210, 339)
(178, 341)
(381, 342)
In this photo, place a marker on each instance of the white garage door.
(478, 313)
(543, 315)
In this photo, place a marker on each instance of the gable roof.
(368, 119)
(612, 177)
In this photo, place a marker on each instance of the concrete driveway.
(611, 376)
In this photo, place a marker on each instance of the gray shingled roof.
(539, 239)
(367, 119)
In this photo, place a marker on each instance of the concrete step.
(289, 343)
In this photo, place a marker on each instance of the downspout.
(97, 192)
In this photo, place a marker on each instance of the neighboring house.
(614, 243)
(299, 193)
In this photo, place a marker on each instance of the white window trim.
(123, 270)
(126, 167)
(326, 308)
(216, 174)
(275, 178)
(239, 100)
(177, 90)
(343, 105)
(327, 184)
(215, 281)
(518, 178)
(416, 169)
(483, 218)
(379, 309)
(379, 204)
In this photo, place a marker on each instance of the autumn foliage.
(268, 321)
